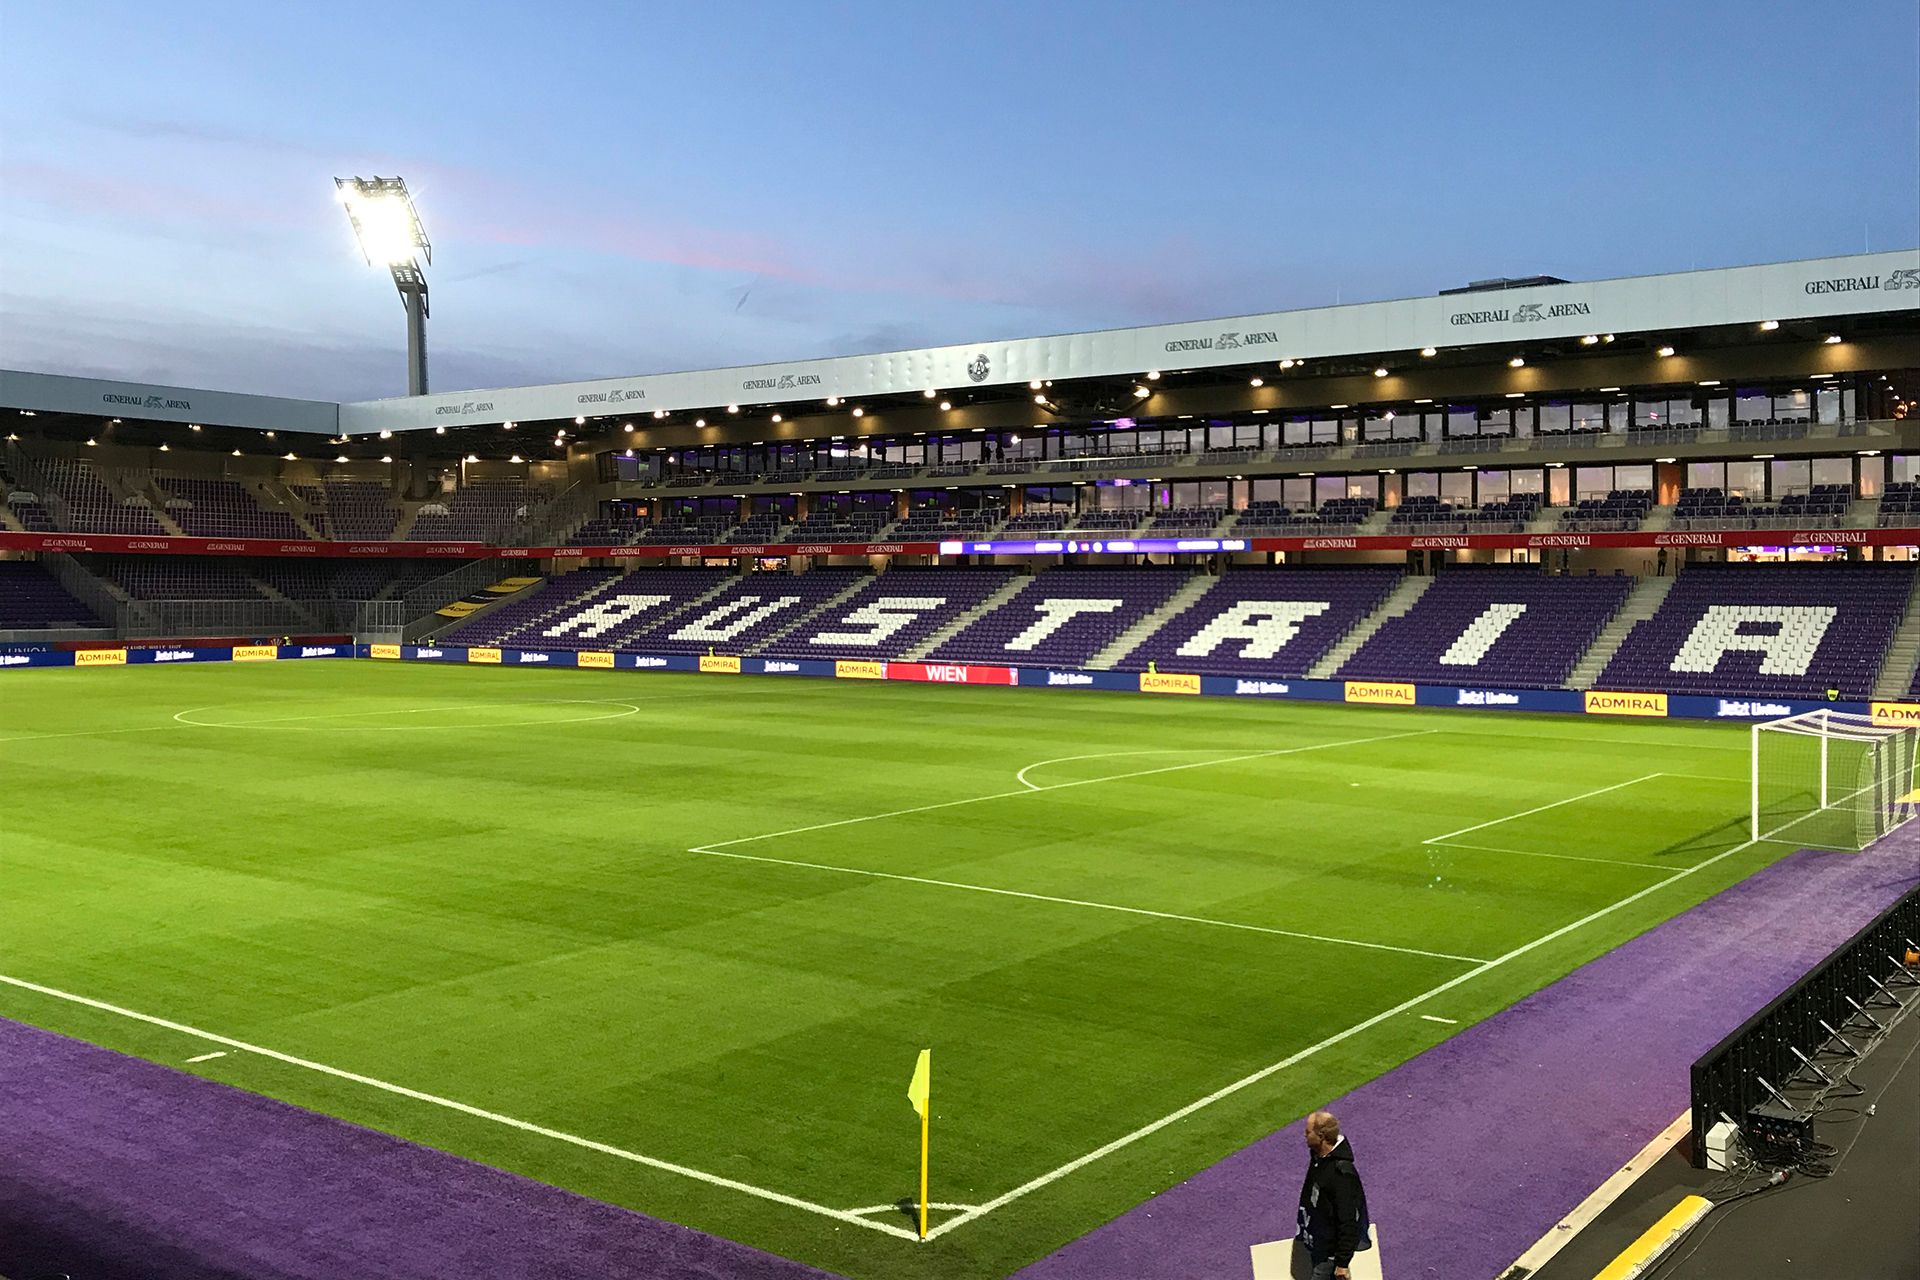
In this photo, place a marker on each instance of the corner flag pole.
(920, 1094)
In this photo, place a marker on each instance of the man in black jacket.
(1333, 1205)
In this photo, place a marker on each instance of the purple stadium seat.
(1265, 622)
(1513, 628)
(1063, 617)
(1773, 630)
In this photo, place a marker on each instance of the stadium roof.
(1852, 285)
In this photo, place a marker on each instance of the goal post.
(1832, 779)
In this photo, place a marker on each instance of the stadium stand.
(85, 502)
(1774, 630)
(206, 508)
(1063, 617)
(592, 608)
(33, 599)
(358, 510)
(1620, 509)
(1509, 627)
(748, 611)
(473, 513)
(1264, 622)
(888, 617)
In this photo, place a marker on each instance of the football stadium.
(993, 644)
(1168, 730)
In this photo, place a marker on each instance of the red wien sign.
(937, 673)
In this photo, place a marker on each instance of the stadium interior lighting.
(192, 427)
(92, 441)
(1288, 363)
(1039, 399)
(386, 457)
(1517, 362)
(858, 412)
(945, 405)
(516, 458)
(833, 402)
(1666, 460)
(699, 422)
(1256, 382)
(340, 458)
(386, 435)
(1034, 385)
(629, 426)
(290, 457)
(440, 431)
(506, 426)
(776, 417)
(1142, 392)
(929, 393)
(236, 453)
(1832, 339)
(1664, 352)
(579, 421)
(1429, 351)
(473, 457)
(1153, 375)
(164, 448)
(1709, 382)
(390, 233)
(1590, 339)
(1768, 326)
(1380, 372)
(1606, 337)
(733, 408)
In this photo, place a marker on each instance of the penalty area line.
(467, 1109)
(1405, 1006)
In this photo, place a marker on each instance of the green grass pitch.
(709, 921)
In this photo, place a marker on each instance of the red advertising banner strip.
(939, 673)
(168, 546)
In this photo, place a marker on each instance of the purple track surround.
(116, 1169)
(1473, 1150)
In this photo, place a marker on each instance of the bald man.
(1333, 1205)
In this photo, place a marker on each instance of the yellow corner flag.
(919, 1093)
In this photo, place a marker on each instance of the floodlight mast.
(390, 234)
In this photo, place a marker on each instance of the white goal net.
(1833, 780)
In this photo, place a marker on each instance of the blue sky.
(633, 187)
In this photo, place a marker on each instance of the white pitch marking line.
(524, 1126)
(1021, 777)
(1147, 1130)
(1058, 786)
(209, 1057)
(931, 1204)
(1527, 813)
(1434, 1017)
(1535, 853)
(1083, 902)
(84, 733)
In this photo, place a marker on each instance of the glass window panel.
(1494, 486)
(1633, 477)
(1456, 487)
(1706, 475)
(1832, 471)
(1555, 416)
(1297, 492)
(1790, 475)
(1747, 480)
(1617, 415)
(1593, 482)
(1423, 484)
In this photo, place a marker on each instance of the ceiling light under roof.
(1832, 339)
(1518, 362)
(1142, 392)
(945, 405)
(1153, 375)
(833, 402)
(439, 431)
(1590, 340)
(1768, 326)
(386, 435)
(1664, 352)
(1034, 385)
(733, 408)
(858, 412)
(776, 417)
(929, 393)
(1256, 382)
(1380, 372)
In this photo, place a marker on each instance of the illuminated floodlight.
(391, 235)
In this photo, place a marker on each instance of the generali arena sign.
(124, 544)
